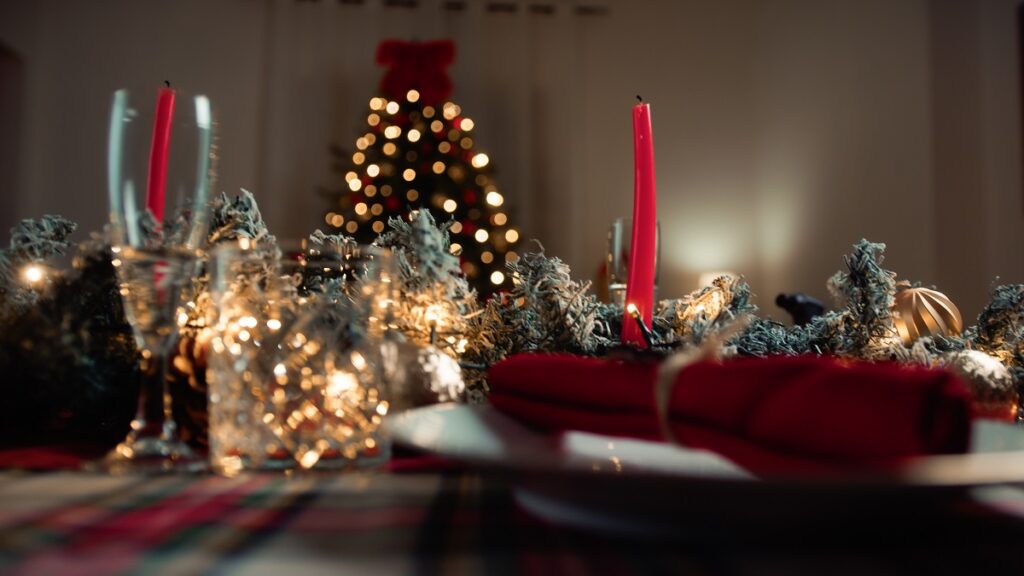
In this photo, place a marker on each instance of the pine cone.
(187, 375)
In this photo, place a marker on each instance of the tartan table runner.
(424, 523)
(355, 523)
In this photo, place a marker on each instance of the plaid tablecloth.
(358, 523)
(453, 522)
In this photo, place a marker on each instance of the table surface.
(450, 522)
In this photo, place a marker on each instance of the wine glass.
(159, 178)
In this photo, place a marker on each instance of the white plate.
(484, 435)
(644, 487)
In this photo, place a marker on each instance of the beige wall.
(77, 53)
(787, 130)
(784, 130)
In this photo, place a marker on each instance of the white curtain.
(517, 74)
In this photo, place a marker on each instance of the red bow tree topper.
(416, 66)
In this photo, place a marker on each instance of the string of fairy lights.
(415, 156)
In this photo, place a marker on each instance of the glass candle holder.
(297, 372)
(620, 238)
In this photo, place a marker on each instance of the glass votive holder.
(329, 393)
(286, 387)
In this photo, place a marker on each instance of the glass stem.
(169, 430)
(153, 417)
(144, 416)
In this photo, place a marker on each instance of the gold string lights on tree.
(419, 152)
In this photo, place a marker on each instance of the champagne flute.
(159, 172)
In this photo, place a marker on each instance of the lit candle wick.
(644, 330)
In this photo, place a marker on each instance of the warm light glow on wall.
(724, 233)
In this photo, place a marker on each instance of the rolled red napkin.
(775, 415)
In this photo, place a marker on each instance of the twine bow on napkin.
(668, 372)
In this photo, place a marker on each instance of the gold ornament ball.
(993, 392)
(920, 312)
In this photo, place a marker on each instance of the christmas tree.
(418, 153)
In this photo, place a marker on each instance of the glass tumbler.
(298, 367)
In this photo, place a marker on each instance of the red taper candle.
(643, 248)
(156, 183)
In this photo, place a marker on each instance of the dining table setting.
(186, 393)
(500, 489)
